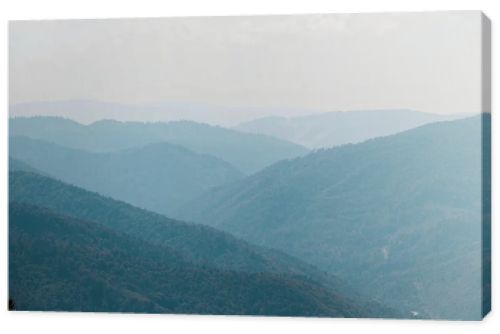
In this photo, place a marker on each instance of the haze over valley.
(290, 165)
(338, 209)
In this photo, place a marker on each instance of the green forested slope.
(198, 245)
(398, 216)
(59, 263)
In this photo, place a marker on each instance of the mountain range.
(247, 152)
(399, 216)
(89, 111)
(329, 129)
(159, 176)
(71, 249)
(398, 208)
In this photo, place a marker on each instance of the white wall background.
(115, 323)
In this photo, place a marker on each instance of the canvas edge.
(486, 164)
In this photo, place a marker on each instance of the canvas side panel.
(486, 163)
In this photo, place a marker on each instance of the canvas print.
(328, 165)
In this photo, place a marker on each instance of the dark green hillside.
(199, 243)
(399, 217)
(159, 177)
(248, 152)
(65, 264)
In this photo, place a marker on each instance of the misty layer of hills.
(159, 177)
(89, 111)
(247, 152)
(338, 128)
(398, 217)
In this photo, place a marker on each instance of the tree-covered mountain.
(399, 216)
(331, 129)
(60, 263)
(248, 152)
(159, 177)
(198, 245)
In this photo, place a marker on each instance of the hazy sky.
(428, 61)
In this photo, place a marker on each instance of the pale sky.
(426, 61)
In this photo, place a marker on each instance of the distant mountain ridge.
(247, 152)
(336, 128)
(399, 216)
(89, 111)
(159, 176)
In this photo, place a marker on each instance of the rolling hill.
(399, 216)
(199, 243)
(58, 263)
(247, 152)
(159, 177)
(112, 256)
(331, 129)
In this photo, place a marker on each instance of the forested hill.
(400, 216)
(158, 177)
(59, 263)
(247, 152)
(201, 246)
